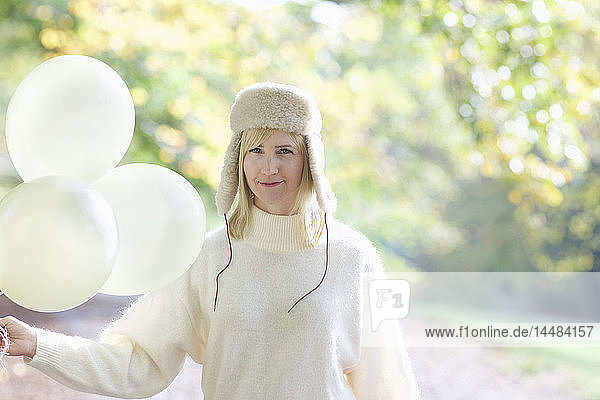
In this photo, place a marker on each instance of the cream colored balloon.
(161, 221)
(58, 242)
(72, 115)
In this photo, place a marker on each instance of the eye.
(254, 150)
(286, 151)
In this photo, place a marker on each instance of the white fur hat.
(277, 106)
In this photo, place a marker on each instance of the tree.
(459, 135)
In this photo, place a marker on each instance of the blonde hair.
(306, 201)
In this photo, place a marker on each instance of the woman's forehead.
(279, 138)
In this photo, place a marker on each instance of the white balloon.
(58, 243)
(161, 221)
(72, 115)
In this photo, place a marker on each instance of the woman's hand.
(23, 338)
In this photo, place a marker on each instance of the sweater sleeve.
(136, 357)
(384, 370)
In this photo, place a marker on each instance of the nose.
(269, 166)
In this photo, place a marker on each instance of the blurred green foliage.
(460, 135)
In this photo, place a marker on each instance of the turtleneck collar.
(275, 232)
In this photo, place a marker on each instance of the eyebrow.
(280, 146)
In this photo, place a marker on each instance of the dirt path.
(442, 373)
(20, 382)
(484, 373)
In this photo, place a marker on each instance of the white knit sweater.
(251, 347)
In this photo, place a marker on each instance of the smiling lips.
(272, 184)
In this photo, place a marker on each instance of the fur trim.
(228, 186)
(316, 160)
(271, 105)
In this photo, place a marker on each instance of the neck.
(278, 209)
(276, 232)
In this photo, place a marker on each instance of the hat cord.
(300, 299)
(326, 263)
(228, 263)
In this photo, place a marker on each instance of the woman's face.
(273, 171)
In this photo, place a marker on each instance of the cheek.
(297, 170)
(248, 171)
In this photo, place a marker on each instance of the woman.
(273, 306)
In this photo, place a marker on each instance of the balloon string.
(4, 341)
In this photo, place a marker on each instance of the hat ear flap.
(316, 159)
(229, 176)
